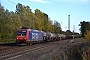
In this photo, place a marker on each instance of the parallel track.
(15, 54)
(19, 53)
(65, 44)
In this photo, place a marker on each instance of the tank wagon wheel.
(43, 41)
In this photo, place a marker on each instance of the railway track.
(27, 50)
(18, 52)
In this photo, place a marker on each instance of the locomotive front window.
(21, 32)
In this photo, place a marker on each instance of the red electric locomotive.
(28, 36)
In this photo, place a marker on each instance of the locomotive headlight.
(17, 38)
(24, 38)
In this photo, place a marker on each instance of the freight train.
(29, 36)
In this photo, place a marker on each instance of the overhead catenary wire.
(32, 4)
(26, 0)
(11, 2)
(2, 3)
(26, 14)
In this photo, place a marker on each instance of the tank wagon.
(48, 36)
(63, 36)
(69, 36)
(53, 37)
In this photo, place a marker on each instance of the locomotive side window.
(21, 32)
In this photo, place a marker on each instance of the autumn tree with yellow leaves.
(87, 34)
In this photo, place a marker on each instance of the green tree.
(68, 32)
(40, 19)
(45, 21)
(57, 27)
(1, 21)
(15, 23)
(49, 26)
(84, 26)
(27, 17)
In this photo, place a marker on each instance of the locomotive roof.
(35, 30)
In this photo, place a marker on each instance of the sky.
(57, 10)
